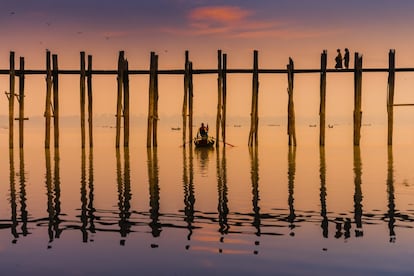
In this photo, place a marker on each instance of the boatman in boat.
(203, 131)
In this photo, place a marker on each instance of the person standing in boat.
(203, 131)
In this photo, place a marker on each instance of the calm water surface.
(183, 211)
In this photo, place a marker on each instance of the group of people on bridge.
(339, 60)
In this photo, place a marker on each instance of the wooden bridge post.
(254, 120)
(190, 102)
(120, 80)
(390, 94)
(55, 74)
(48, 104)
(151, 100)
(11, 95)
(322, 107)
(185, 99)
(291, 109)
(126, 104)
(357, 99)
(155, 102)
(82, 97)
(90, 110)
(219, 95)
(21, 103)
(224, 115)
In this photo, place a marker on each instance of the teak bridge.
(123, 102)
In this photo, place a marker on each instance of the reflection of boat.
(203, 142)
(175, 128)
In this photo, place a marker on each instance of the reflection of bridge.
(126, 220)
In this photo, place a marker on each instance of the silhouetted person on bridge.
(338, 60)
(346, 58)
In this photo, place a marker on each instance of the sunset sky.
(280, 29)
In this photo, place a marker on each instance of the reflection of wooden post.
(224, 77)
(55, 100)
(48, 104)
(12, 74)
(21, 103)
(322, 107)
(82, 97)
(391, 198)
(185, 100)
(291, 109)
(90, 113)
(119, 98)
(126, 104)
(357, 99)
(254, 120)
(322, 175)
(358, 192)
(190, 103)
(219, 95)
(390, 94)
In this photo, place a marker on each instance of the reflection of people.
(203, 131)
(346, 58)
(338, 60)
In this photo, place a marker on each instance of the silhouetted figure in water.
(338, 60)
(346, 58)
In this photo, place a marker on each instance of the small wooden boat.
(203, 142)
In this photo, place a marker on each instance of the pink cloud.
(224, 14)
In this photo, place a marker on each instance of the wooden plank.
(224, 115)
(390, 94)
(253, 114)
(190, 102)
(357, 99)
(219, 95)
(119, 98)
(126, 104)
(185, 99)
(11, 95)
(155, 102)
(82, 97)
(21, 103)
(151, 100)
(291, 109)
(322, 107)
(55, 76)
(48, 104)
(90, 101)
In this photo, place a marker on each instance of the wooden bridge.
(86, 72)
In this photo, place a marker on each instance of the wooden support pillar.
(155, 102)
(90, 110)
(255, 91)
(185, 99)
(119, 98)
(82, 97)
(152, 98)
(48, 104)
(190, 102)
(126, 104)
(224, 94)
(357, 99)
(219, 95)
(322, 107)
(11, 95)
(291, 109)
(390, 94)
(21, 103)
(55, 75)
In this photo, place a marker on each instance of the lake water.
(172, 210)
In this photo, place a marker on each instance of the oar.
(224, 142)
(186, 143)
